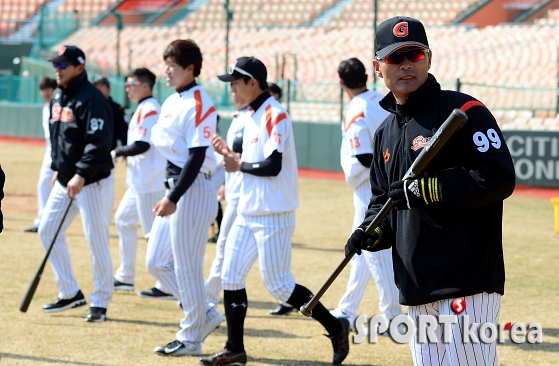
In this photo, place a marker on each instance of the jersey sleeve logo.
(270, 124)
(355, 118)
(420, 142)
(200, 108)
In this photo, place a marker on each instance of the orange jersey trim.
(199, 109)
(269, 123)
(471, 104)
(355, 118)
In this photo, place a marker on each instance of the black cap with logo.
(399, 32)
(101, 80)
(69, 55)
(246, 66)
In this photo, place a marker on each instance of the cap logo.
(61, 50)
(401, 29)
(81, 60)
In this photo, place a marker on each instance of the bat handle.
(306, 309)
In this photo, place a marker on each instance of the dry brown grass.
(136, 325)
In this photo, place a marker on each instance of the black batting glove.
(406, 194)
(359, 241)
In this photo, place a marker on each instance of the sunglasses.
(59, 65)
(233, 68)
(396, 58)
(130, 84)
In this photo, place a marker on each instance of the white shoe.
(212, 324)
(178, 349)
(340, 314)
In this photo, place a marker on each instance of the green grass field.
(137, 325)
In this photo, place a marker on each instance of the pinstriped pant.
(213, 282)
(133, 207)
(377, 264)
(481, 308)
(94, 203)
(175, 253)
(43, 188)
(267, 237)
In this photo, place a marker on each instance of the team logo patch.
(401, 29)
(386, 156)
(61, 50)
(67, 115)
(55, 113)
(420, 142)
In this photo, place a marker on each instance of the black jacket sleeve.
(95, 117)
(486, 174)
(270, 167)
(189, 173)
(135, 148)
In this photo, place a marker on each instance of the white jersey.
(363, 117)
(145, 172)
(187, 120)
(268, 129)
(46, 128)
(233, 180)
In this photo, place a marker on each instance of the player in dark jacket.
(446, 231)
(81, 131)
(119, 120)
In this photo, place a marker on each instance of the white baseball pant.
(377, 264)
(213, 282)
(480, 308)
(267, 237)
(94, 203)
(133, 207)
(43, 187)
(175, 254)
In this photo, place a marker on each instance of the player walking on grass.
(177, 241)
(81, 132)
(446, 231)
(265, 214)
(145, 173)
(363, 117)
(47, 86)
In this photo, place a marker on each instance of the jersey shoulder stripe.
(471, 104)
(271, 123)
(200, 108)
(355, 118)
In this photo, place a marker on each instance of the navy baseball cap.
(245, 66)
(101, 79)
(399, 32)
(69, 55)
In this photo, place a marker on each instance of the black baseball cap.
(69, 55)
(246, 66)
(101, 79)
(399, 32)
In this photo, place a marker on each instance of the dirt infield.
(135, 325)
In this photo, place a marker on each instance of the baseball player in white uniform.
(177, 241)
(265, 213)
(81, 131)
(44, 185)
(232, 191)
(144, 176)
(363, 117)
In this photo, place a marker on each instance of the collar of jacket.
(74, 84)
(415, 99)
(186, 87)
(257, 103)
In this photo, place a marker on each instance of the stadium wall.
(535, 153)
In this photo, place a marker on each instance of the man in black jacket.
(446, 231)
(81, 131)
(119, 119)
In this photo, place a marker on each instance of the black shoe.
(155, 293)
(65, 304)
(282, 310)
(96, 314)
(225, 357)
(340, 343)
(123, 286)
(31, 230)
